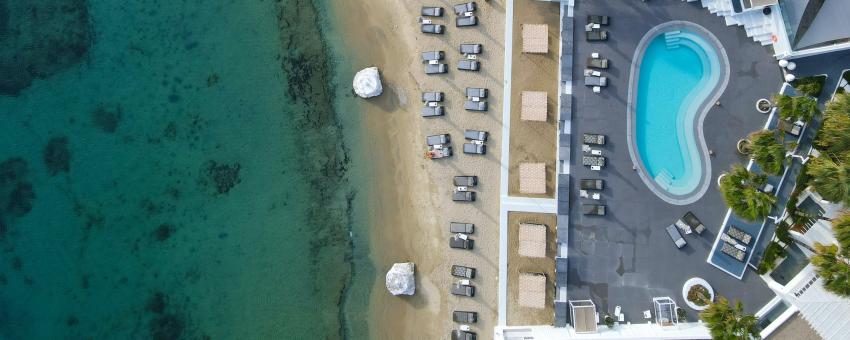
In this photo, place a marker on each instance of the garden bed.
(697, 293)
(810, 86)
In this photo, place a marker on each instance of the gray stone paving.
(626, 258)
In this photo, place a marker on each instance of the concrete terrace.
(626, 258)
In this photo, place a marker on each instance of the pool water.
(678, 72)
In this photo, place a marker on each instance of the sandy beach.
(410, 200)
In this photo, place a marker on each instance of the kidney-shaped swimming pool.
(679, 71)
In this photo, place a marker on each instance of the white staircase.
(757, 25)
(671, 39)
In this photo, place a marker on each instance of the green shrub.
(773, 252)
(810, 86)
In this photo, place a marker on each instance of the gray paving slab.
(634, 227)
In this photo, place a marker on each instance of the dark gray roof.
(816, 22)
(560, 314)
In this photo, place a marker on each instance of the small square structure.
(532, 290)
(533, 106)
(532, 178)
(532, 240)
(535, 38)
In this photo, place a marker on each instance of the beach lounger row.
(593, 28)
(462, 185)
(476, 99)
(432, 107)
(466, 14)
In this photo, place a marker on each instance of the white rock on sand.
(367, 83)
(401, 280)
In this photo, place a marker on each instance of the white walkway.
(503, 182)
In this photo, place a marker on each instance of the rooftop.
(532, 178)
(533, 106)
(535, 38)
(532, 290)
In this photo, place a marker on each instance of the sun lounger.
(690, 221)
(438, 139)
(593, 209)
(432, 96)
(474, 148)
(461, 241)
(730, 250)
(465, 317)
(597, 35)
(597, 63)
(466, 181)
(461, 227)
(593, 161)
(468, 65)
(431, 11)
(436, 68)
(438, 151)
(591, 138)
(433, 111)
(465, 7)
(793, 129)
(597, 19)
(595, 81)
(477, 92)
(475, 106)
(739, 235)
(463, 271)
(476, 135)
(470, 48)
(463, 196)
(432, 55)
(466, 21)
(592, 184)
(433, 28)
(677, 238)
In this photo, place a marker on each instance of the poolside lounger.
(597, 19)
(476, 135)
(466, 21)
(595, 81)
(593, 209)
(593, 196)
(433, 28)
(592, 184)
(475, 106)
(465, 7)
(690, 221)
(677, 238)
(470, 48)
(597, 35)
(432, 111)
(597, 62)
(586, 148)
(432, 55)
(436, 68)
(431, 11)
(739, 235)
(593, 161)
(476, 92)
(591, 138)
(730, 250)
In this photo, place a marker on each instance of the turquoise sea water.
(178, 170)
(674, 81)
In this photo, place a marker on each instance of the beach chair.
(432, 111)
(593, 161)
(476, 92)
(793, 129)
(595, 81)
(733, 252)
(432, 55)
(460, 9)
(597, 19)
(465, 316)
(472, 105)
(470, 48)
(593, 209)
(433, 28)
(468, 65)
(739, 235)
(677, 238)
(466, 21)
(431, 11)
(592, 184)
(474, 148)
(476, 135)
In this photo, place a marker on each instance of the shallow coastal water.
(178, 170)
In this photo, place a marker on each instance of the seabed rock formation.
(39, 38)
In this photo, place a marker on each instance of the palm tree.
(833, 268)
(726, 322)
(741, 190)
(801, 108)
(767, 151)
(830, 179)
(834, 135)
(841, 228)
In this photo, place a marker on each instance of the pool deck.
(626, 258)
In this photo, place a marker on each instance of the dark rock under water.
(16, 191)
(57, 157)
(39, 38)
